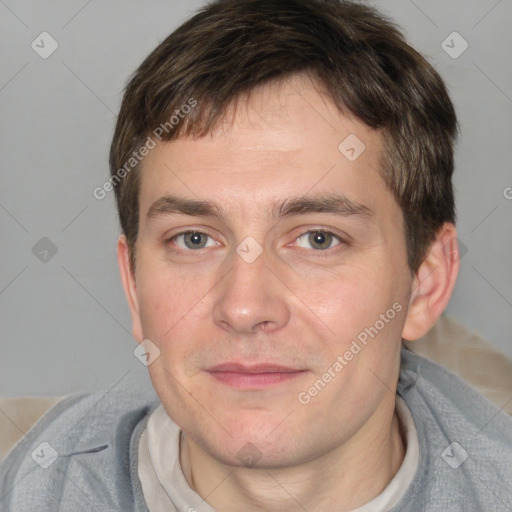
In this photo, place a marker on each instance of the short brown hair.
(232, 46)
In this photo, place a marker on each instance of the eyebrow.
(337, 204)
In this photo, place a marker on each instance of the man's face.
(262, 286)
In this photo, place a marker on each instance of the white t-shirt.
(166, 489)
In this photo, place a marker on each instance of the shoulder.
(80, 450)
(426, 384)
(465, 440)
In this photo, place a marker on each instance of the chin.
(258, 444)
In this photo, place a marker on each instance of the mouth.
(252, 377)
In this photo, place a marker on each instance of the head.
(282, 172)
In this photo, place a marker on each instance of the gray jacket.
(82, 455)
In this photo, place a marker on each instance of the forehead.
(282, 140)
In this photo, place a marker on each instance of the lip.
(259, 376)
(252, 368)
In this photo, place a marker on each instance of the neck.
(341, 480)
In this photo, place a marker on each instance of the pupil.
(195, 240)
(319, 238)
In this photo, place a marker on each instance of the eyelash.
(318, 253)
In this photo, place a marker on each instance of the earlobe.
(433, 284)
(129, 285)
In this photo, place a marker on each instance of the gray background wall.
(64, 322)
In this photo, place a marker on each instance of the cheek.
(156, 303)
(350, 299)
(175, 313)
(167, 298)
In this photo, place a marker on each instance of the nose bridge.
(250, 296)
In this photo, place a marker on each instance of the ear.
(433, 284)
(129, 285)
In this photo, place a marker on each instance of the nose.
(250, 298)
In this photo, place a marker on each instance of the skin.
(296, 304)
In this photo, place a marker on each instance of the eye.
(193, 240)
(318, 239)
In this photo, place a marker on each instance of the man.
(283, 178)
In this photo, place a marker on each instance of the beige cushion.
(469, 356)
(448, 343)
(17, 415)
